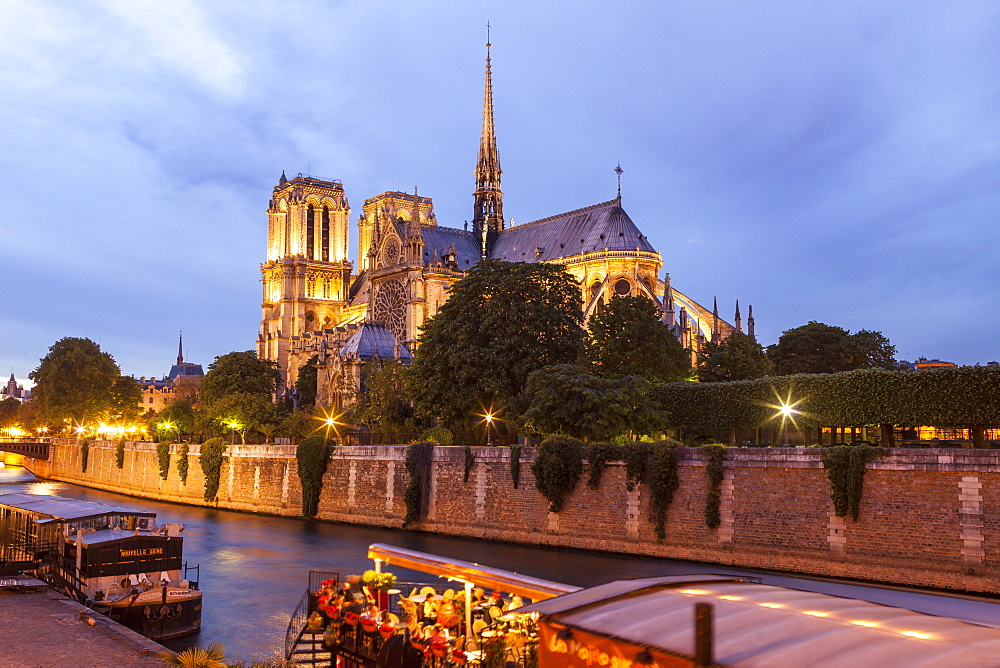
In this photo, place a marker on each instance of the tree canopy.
(737, 357)
(8, 411)
(239, 372)
(567, 399)
(501, 322)
(627, 338)
(382, 402)
(819, 348)
(76, 380)
(305, 383)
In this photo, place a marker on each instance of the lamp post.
(489, 423)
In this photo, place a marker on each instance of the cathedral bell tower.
(306, 277)
(487, 218)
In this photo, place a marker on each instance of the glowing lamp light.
(917, 634)
(695, 592)
(771, 605)
(861, 622)
(234, 425)
(489, 418)
(81, 429)
(786, 410)
(731, 598)
(815, 613)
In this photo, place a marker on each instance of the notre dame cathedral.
(316, 303)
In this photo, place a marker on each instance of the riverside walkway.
(44, 628)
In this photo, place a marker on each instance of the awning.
(464, 571)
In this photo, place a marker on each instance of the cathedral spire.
(750, 332)
(487, 219)
(180, 348)
(715, 319)
(739, 318)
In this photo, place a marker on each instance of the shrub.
(84, 454)
(663, 481)
(438, 436)
(715, 470)
(163, 458)
(515, 465)
(470, 461)
(846, 468)
(182, 464)
(598, 456)
(418, 465)
(312, 455)
(213, 454)
(557, 467)
(120, 453)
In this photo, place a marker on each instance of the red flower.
(332, 611)
(458, 657)
(351, 618)
(387, 630)
(418, 643)
(439, 648)
(368, 624)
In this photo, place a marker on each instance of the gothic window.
(622, 287)
(310, 233)
(389, 308)
(325, 253)
(390, 252)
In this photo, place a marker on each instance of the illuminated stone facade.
(314, 304)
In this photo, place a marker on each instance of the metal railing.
(307, 604)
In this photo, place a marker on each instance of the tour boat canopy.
(464, 571)
(60, 508)
(755, 624)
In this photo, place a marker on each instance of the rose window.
(389, 308)
(390, 252)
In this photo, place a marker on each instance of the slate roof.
(442, 238)
(595, 228)
(371, 340)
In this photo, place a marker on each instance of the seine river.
(254, 568)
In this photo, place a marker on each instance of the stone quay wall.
(928, 518)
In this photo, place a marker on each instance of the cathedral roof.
(374, 340)
(595, 228)
(467, 249)
(185, 369)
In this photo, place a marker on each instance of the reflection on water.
(254, 568)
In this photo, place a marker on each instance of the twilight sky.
(831, 161)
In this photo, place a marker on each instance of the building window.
(310, 233)
(622, 287)
(326, 235)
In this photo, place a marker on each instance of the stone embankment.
(928, 518)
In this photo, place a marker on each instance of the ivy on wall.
(84, 455)
(716, 453)
(313, 456)
(954, 397)
(418, 465)
(635, 456)
(182, 463)
(213, 454)
(557, 467)
(120, 453)
(163, 458)
(598, 456)
(845, 468)
(515, 465)
(663, 482)
(470, 461)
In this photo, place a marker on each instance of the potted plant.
(379, 584)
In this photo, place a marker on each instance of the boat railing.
(193, 584)
(307, 604)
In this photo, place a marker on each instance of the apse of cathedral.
(317, 304)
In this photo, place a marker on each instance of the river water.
(254, 567)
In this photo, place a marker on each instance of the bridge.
(38, 450)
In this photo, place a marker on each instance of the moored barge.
(116, 560)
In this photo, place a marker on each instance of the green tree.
(248, 411)
(126, 399)
(239, 372)
(74, 380)
(566, 399)
(736, 357)
(382, 402)
(306, 382)
(627, 338)
(501, 322)
(178, 415)
(297, 425)
(819, 348)
(8, 411)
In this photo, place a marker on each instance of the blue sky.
(831, 161)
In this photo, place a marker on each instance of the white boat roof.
(757, 624)
(61, 508)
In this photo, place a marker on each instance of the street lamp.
(489, 423)
(233, 426)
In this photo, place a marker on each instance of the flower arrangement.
(379, 581)
(351, 618)
(387, 630)
(368, 624)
